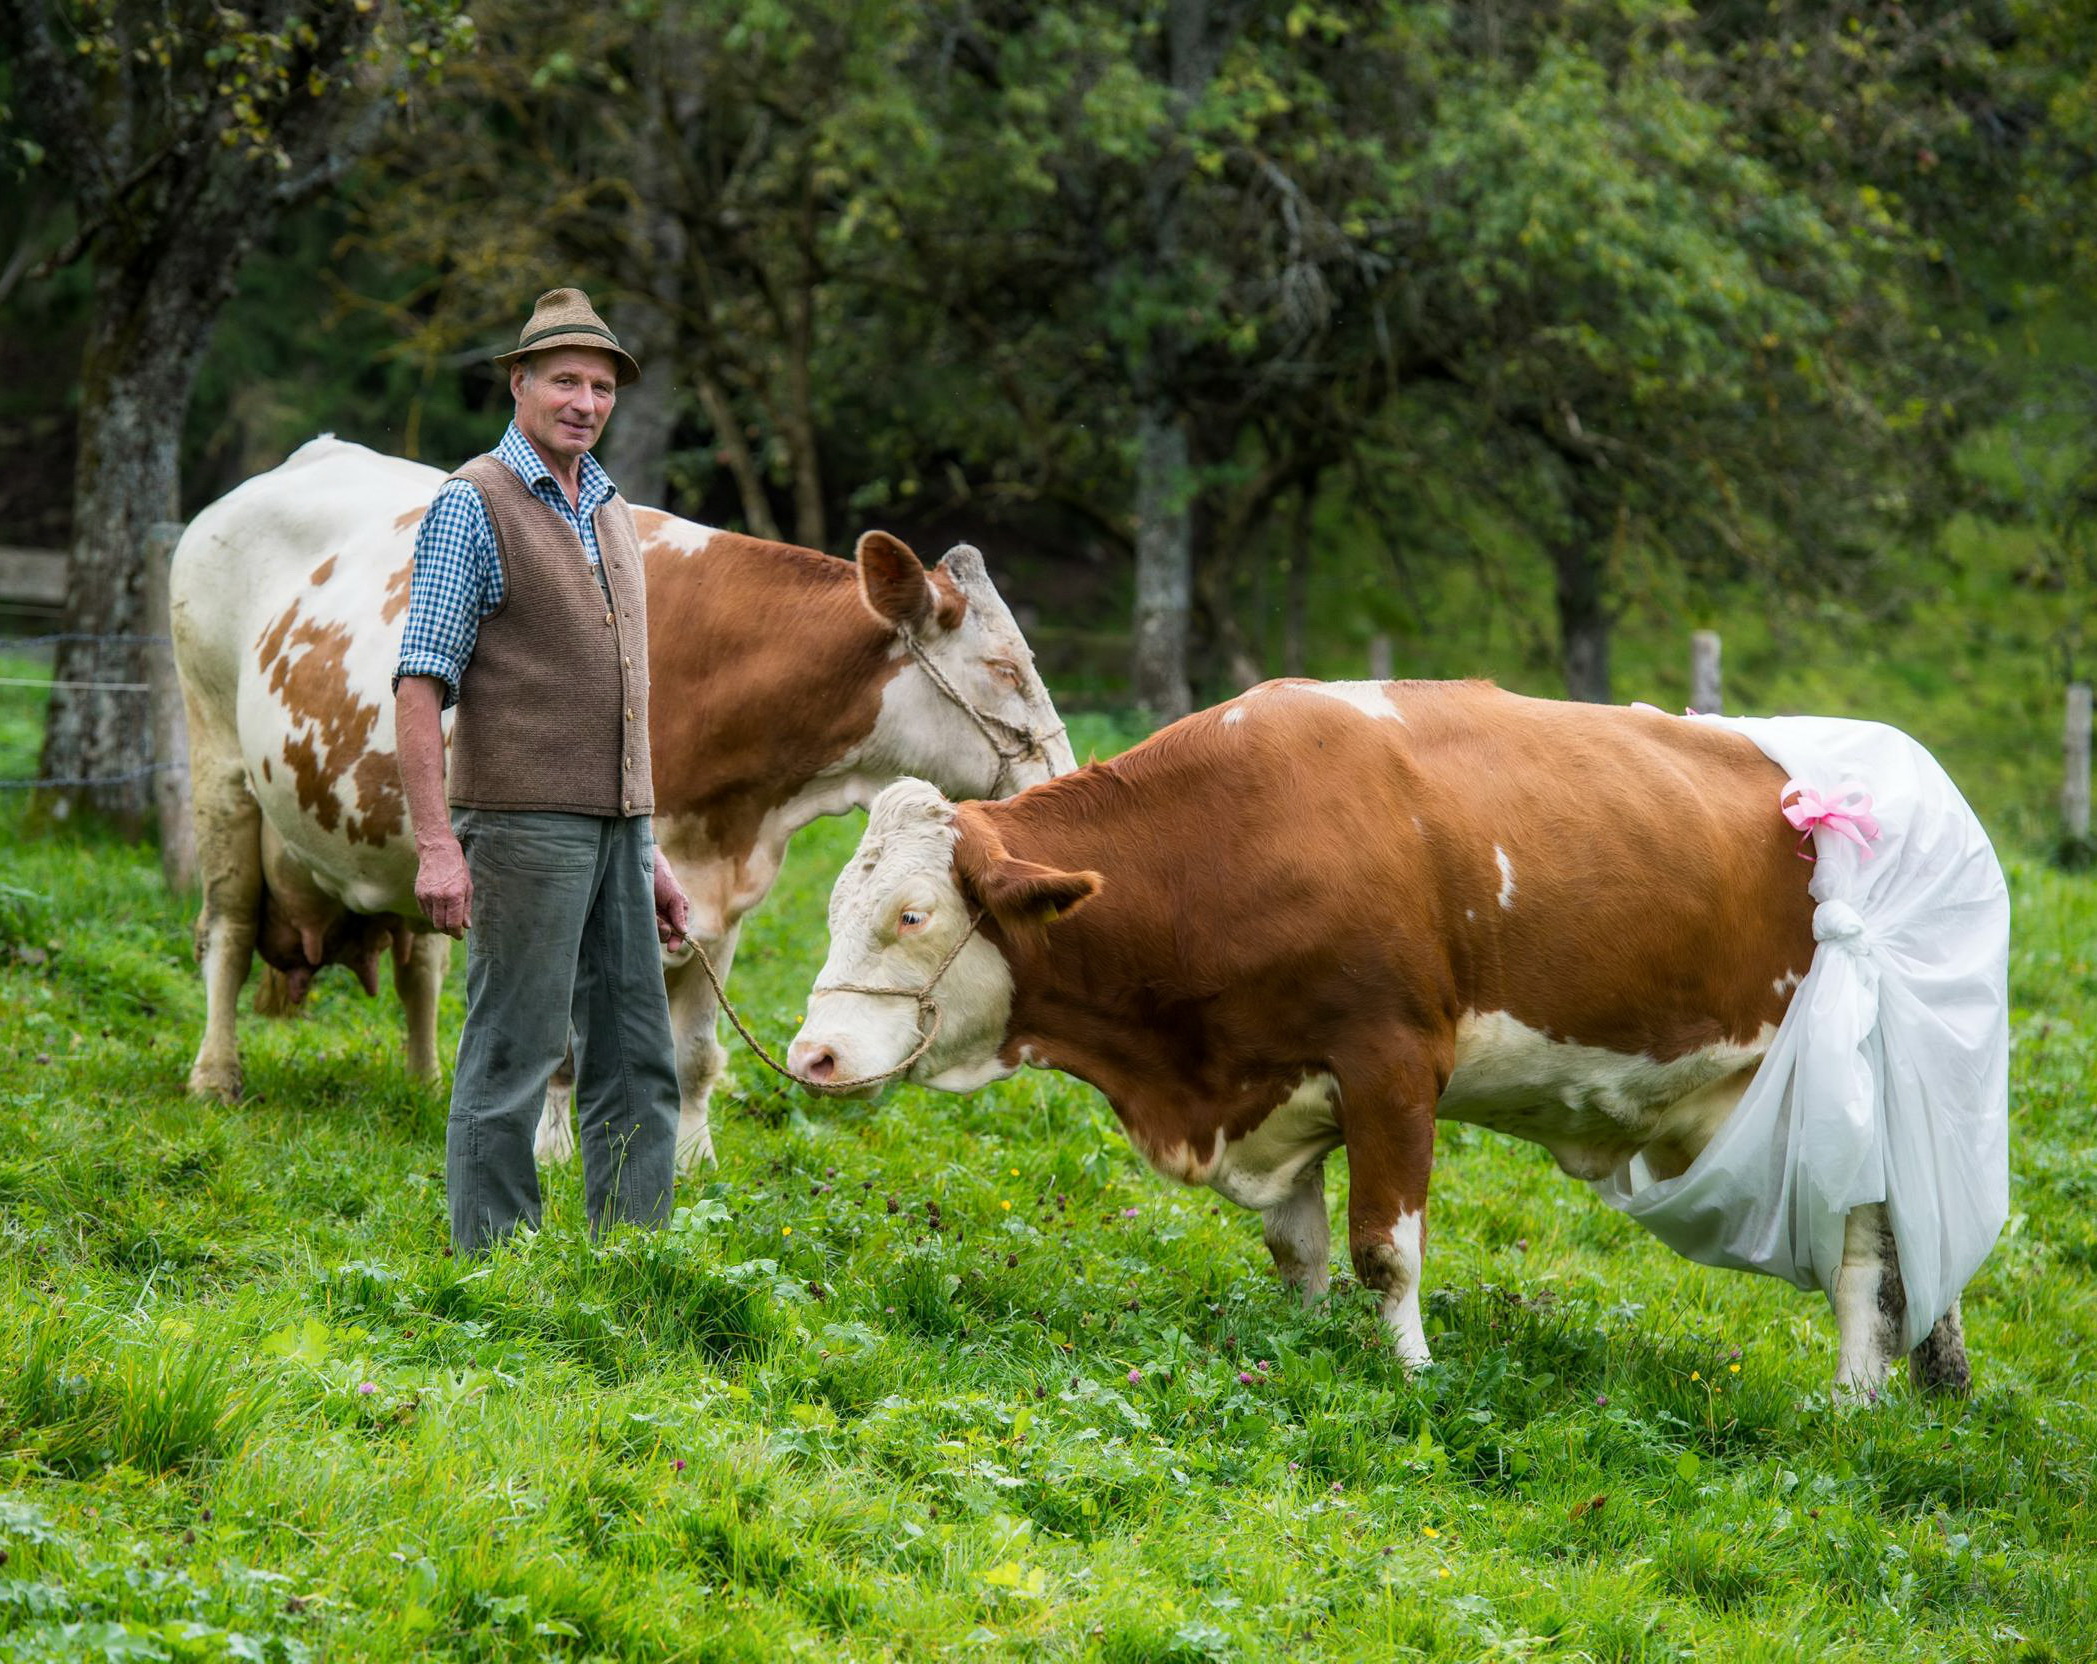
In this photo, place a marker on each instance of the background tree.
(176, 137)
(1149, 215)
(701, 165)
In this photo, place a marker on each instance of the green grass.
(946, 1376)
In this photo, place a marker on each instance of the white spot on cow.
(1417, 827)
(1260, 1169)
(1233, 716)
(1370, 698)
(1401, 1302)
(1590, 1107)
(1470, 912)
(1785, 983)
(685, 537)
(1507, 884)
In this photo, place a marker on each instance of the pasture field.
(947, 1376)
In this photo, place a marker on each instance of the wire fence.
(159, 785)
(72, 638)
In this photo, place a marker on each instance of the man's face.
(564, 396)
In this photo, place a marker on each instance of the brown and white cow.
(1326, 915)
(783, 689)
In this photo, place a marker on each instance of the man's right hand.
(443, 886)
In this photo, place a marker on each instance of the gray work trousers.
(563, 933)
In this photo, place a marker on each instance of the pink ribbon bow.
(1847, 814)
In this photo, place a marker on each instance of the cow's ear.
(1020, 895)
(894, 582)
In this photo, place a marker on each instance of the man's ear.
(1020, 895)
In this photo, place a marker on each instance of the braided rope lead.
(926, 1004)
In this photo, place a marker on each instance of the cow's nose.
(812, 1061)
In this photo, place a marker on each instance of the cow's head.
(904, 904)
(991, 729)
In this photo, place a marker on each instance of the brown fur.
(1267, 909)
(746, 712)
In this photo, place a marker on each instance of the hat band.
(570, 329)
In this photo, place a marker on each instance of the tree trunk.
(637, 439)
(637, 443)
(732, 445)
(811, 527)
(1583, 617)
(1164, 565)
(145, 343)
(1296, 619)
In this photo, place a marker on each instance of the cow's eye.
(909, 921)
(1007, 672)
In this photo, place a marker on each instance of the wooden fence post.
(178, 833)
(1706, 689)
(1379, 657)
(2075, 772)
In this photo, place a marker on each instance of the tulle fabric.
(1888, 1080)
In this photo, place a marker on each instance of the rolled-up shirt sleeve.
(457, 582)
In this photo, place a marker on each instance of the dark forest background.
(1527, 335)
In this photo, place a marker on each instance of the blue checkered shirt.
(458, 574)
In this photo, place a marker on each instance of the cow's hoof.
(216, 1080)
(696, 1152)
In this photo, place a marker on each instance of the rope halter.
(1013, 742)
(929, 1018)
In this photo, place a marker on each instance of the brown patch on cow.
(306, 662)
(396, 598)
(271, 648)
(268, 773)
(323, 572)
(744, 712)
(413, 518)
(381, 809)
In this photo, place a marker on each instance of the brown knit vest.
(553, 706)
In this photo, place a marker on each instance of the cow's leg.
(700, 1056)
(418, 978)
(1387, 1117)
(555, 1139)
(1938, 1366)
(1299, 1236)
(1870, 1304)
(229, 863)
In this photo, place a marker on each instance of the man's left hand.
(673, 908)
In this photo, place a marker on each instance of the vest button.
(607, 618)
(629, 713)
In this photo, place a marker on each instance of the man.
(527, 610)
